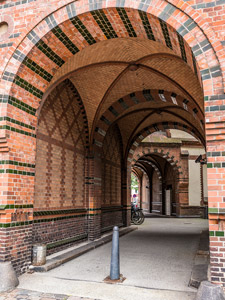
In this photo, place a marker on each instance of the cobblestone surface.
(20, 294)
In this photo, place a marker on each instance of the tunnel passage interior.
(103, 107)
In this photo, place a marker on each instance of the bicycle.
(137, 216)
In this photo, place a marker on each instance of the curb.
(65, 257)
(201, 265)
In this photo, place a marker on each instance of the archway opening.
(135, 187)
(98, 85)
(170, 159)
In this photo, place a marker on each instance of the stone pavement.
(21, 294)
(156, 260)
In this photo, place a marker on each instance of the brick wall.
(111, 168)
(60, 234)
(111, 179)
(214, 12)
(15, 246)
(60, 155)
(111, 218)
(60, 171)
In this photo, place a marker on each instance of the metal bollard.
(115, 257)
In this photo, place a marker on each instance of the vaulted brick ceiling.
(102, 84)
(103, 79)
(141, 53)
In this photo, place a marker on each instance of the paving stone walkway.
(21, 294)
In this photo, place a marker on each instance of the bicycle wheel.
(135, 218)
(141, 217)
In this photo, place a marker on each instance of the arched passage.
(174, 154)
(131, 51)
(163, 174)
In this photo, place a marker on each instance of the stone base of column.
(94, 227)
(210, 291)
(8, 277)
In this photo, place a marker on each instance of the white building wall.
(194, 189)
(205, 184)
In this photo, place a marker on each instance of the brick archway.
(35, 61)
(156, 127)
(142, 158)
(184, 19)
(171, 159)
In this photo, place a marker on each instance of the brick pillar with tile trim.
(126, 197)
(216, 186)
(95, 183)
(16, 192)
(182, 185)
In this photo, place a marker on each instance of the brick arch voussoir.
(121, 105)
(185, 21)
(62, 9)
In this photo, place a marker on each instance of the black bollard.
(115, 257)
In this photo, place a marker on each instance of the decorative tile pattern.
(146, 25)
(104, 24)
(12, 171)
(7, 127)
(83, 30)
(126, 21)
(43, 47)
(33, 66)
(17, 122)
(65, 40)
(147, 95)
(111, 156)
(61, 146)
(166, 34)
(123, 104)
(28, 87)
(18, 104)
(182, 49)
(194, 64)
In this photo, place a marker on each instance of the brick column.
(182, 186)
(216, 187)
(94, 180)
(126, 195)
(17, 163)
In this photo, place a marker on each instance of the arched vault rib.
(152, 100)
(149, 69)
(156, 111)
